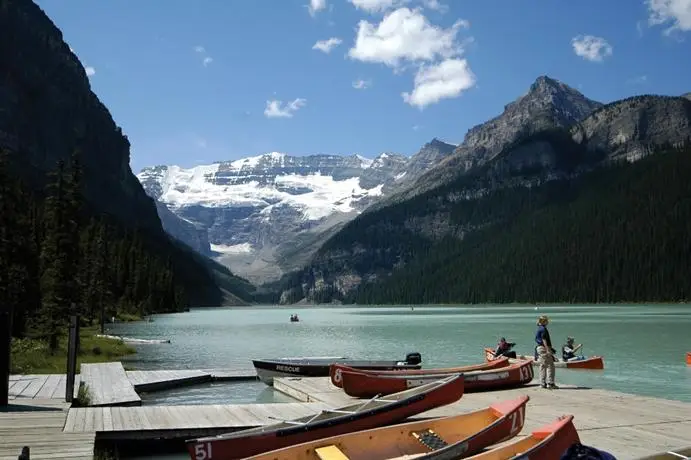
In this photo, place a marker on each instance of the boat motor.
(413, 359)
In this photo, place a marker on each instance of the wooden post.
(5, 349)
(25, 455)
(72, 344)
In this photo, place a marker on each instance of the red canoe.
(591, 363)
(548, 442)
(366, 384)
(354, 417)
(456, 436)
(337, 369)
(688, 358)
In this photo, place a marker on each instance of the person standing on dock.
(545, 353)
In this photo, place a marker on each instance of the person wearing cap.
(568, 351)
(504, 349)
(545, 353)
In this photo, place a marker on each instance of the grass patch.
(31, 356)
(83, 396)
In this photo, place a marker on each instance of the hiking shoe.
(552, 387)
(544, 385)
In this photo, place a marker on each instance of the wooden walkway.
(41, 386)
(108, 385)
(151, 422)
(145, 381)
(628, 426)
(39, 423)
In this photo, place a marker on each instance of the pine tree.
(55, 260)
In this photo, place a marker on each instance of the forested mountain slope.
(76, 225)
(491, 196)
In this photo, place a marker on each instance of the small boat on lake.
(676, 454)
(268, 369)
(591, 363)
(336, 370)
(365, 383)
(688, 358)
(548, 442)
(451, 437)
(359, 415)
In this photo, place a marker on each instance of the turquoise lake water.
(643, 346)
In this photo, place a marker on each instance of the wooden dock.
(41, 386)
(39, 423)
(175, 422)
(627, 426)
(108, 385)
(146, 381)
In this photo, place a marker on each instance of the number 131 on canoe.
(202, 451)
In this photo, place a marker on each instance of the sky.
(194, 82)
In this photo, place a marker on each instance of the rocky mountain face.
(382, 240)
(267, 214)
(548, 103)
(193, 235)
(48, 112)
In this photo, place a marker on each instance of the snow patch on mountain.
(316, 195)
(243, 248)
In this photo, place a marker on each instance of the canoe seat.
(430, 439)
(331, 452)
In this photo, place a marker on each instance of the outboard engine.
(413, 358)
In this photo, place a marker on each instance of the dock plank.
(108, 385)
(41, 386)
(148, 422)
(628, 426)
(38, 424)
(145, 381)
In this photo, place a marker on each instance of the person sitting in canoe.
(504, 349)
(568, 351)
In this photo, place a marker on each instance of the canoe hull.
(366, 384)
(336, 370)
(466, 434)
(268, 369)
(591, 363)
(550, 441)
(251, 442)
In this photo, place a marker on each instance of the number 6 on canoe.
(202, 451)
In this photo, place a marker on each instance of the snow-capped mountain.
(265, 214)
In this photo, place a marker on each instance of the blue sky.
(193, 82)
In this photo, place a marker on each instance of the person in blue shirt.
(545, 353)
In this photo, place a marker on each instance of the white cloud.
(362, 84)
(206, 59)
(327, 45)
(674, 12)
(315, 6)
(435, 5)
(591, 48)
(405, 35)
(276, 109)
(377, 6)
(445, 80)
(89, 71)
